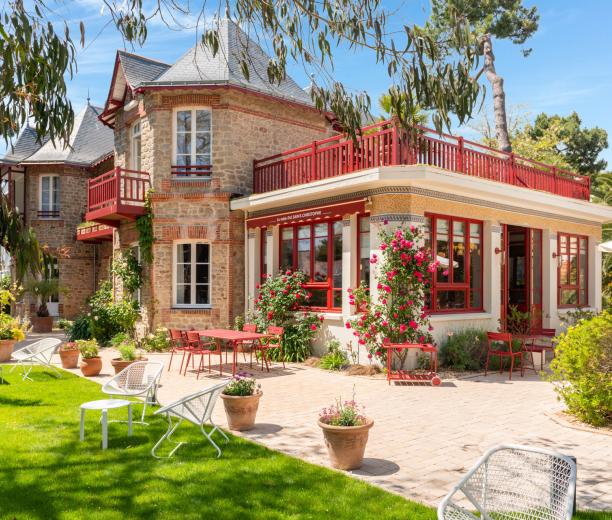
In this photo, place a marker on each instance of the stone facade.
(78, 262)
(244, 127)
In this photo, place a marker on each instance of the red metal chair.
(503, 338)
(541, 345)
(273, 341)
(195, 347)
(178, 344)
(247, 327)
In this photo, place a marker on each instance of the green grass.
(46, 473)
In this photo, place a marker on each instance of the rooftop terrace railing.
(384, 144)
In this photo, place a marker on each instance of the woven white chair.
(37, 353)
(140, 379)
(514, 482)
(197, 409)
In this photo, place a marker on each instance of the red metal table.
(417, 376)
(231, 337)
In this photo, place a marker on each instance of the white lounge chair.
(514, 482)
(196, 408)
(37, 353)
(140, 379)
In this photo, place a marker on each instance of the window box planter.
(241, 410)
(346, 444)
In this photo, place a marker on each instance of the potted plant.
(241, 400)
(11, 331)
(128, 355)
(69, 354)
(345, 430)
(91, 362)
(44, 289)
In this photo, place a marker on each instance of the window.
(573, 257)
(457, 245)
(193, 141)
(49, 196)
(316, 250)
(136, 159)
(192, 274)
(364, 250)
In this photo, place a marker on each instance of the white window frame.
(175, 244)
(133, 134)
(193, 110)
(52, 200)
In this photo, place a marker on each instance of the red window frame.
(466, 285)
(312, 285)
(359, 239)
(563, 253)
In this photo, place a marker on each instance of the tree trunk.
(499, 96)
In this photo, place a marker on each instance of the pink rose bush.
(404, 272)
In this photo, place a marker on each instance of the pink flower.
(379, 286)
(385, 222)
(313, 327)
(445, 272)
(384, 301)
(321, 317)
(402, 328)
(385, 323)
(349, 290)
(288, 272)
(347, 325)
(383, 247)
(413, 324)
(430, 328)
(270, 315)
(387, 289)
(369, 356)
(412, 229)
(362, 342)
(257, 286)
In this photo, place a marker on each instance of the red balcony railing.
(116, 195)
(94, 232)
(384, 144)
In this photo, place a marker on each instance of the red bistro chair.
(247, 327)
(503, 338)
(178, 344)
(273, 341)
(542, 344)
(195, 347)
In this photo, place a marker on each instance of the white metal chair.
(196, 408)
(37, 353)
(514, 482)
(140, 379)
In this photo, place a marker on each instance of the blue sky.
(569, 69)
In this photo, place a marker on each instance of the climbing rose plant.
(398, 315)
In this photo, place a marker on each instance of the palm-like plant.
(43, 288)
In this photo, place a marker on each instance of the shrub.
(157, 341)
(582, 369)
(11, 328)
(118, 339)
(347, 413)
(88, 348)
(109, 317)
(80, 328)
(64, 324)
(127, 351)
(334, 359)
(242, 385)
(464, 350)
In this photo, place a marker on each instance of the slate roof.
(138, 69)
(23, 147)
(199, 66)
(90, 142)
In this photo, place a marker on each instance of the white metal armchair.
(196, 408)
(140, 379)
(514, 482)
(37, 353)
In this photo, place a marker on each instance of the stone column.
(492, 268)
(349, 259)
(252, 264)
(550, 318)
(594, 273)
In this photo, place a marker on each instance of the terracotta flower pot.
(241, 410)
(42, 323)
(119, 364)
(346, 444)
(6, 349)
(69, 357)
(91, 366)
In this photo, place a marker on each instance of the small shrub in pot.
(241, 401)
(91, 362)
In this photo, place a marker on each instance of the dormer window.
(192, 143)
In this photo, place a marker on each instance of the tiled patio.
(424, 438)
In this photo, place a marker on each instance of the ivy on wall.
(144, 224)
(126, 267)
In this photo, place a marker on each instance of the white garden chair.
(196, 408)
(514, 482)
(140, 379)
(37, 353)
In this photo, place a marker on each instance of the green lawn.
(46, 473)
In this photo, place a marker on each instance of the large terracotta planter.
(241, 410)
(42, 323)
(346, 444)
(91, 366)
(69, 357)
(119, 364)
(6, 349)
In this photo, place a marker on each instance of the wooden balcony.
(384, 144)
(117, 195)
(94, 233)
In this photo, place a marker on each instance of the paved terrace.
(424, 439)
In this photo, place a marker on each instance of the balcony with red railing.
(384, 144)
(94, 233)
(117, 195)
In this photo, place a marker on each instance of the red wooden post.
(351, 156)
(460, 148)
(313, 161)
(512, 169)
(395, 141)
(118, 185)
(88, 190)
(555, 188)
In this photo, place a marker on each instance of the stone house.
(47, 183)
